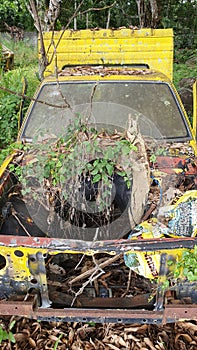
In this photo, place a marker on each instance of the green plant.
(0, 55)
(7, 334)
(79, 154)
(57, 341)
(9, 108)
(186, 266)
(14, 12)
(9, 150)
(157, 152)
(184, 65)
(10, 104)
(25, 54)
(26, 57)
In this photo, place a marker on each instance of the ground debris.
(43, 335)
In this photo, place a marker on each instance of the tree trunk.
(154, 13)
(141, 7)
(43, 61)
(52, 14)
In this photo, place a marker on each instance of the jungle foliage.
(80, 14)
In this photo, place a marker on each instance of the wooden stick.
(101, 266)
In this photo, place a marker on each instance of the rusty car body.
(53, 269)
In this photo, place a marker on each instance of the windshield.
(152, 104)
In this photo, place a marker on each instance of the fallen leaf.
(32, 342)
(183, 335)
(149, 343)
(113, 347)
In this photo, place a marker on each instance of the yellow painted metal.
(16, 266)
(5, 164)
(193, 128)
(24, 90)
(7, 58)
(153, 47)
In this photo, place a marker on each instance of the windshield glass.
(152, 104)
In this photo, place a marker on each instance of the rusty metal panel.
(171, 313)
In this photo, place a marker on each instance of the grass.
(25, 54)
(25, 65)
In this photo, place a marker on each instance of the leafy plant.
(184, 65)
(78, 155)
(7, 334)
(25, 56)
(9, 108)
(15, 12)
(10, 103)
(186, 266)
(9, 150)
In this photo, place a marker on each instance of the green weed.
(7, 334)
(10, 103)
(57, 341)
(25, 55)
(185, 65)
(187, 265)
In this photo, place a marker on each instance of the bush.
(25, 65)
(9, 108)
(10, 103)
(185, 65)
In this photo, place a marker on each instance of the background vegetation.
(25, 66)
(178, 14)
